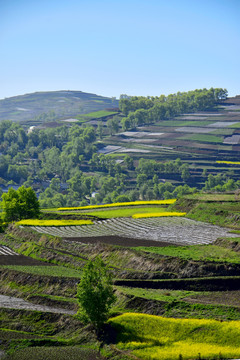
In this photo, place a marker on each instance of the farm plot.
(4, 250)
(233, 140)
(203, 138)
(180, 231)
(109, 149)
(195, 130)
(222, 124)
(17, 303)
(140, 134)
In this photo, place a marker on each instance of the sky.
(113, 47)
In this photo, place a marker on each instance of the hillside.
(189, 280)
(57, 104)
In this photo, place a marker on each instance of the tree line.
(139, 110)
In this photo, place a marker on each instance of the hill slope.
(62, 103)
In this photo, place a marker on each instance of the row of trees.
(146, 110)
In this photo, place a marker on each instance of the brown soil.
(232, 100)
(21, 260)
(229, 298)
(119, 241)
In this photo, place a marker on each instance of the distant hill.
(28, 108)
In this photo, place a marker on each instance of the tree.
(185, 175)
(113, 125)
(95, 293)
(100, 130)
(19, 204)
(129, 162)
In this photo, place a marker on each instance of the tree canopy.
(19, 204)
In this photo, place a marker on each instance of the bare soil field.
(119, 241)
(21, 260)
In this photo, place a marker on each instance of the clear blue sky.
(110, 47)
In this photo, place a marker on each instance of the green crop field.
(159, 294)
(59, 271)
(180, 123)
(202, 138)
(98, 114)
(223, 131)
(197, 252)
(127, 212)
(235, 126)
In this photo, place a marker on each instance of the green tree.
(185, 175)
(100, 130)
(95, 293)
(129, 162)
(19, 204)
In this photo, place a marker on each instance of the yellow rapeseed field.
(228, 162)
(154, 337)
(158, 214)
(36, 222)
(130, 203)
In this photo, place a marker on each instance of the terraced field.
(5, 251)
(173, 230)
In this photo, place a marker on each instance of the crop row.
(175, 230)
(130, 203)
(158, 214)
(228, 162)
(37, 222)
(4, 250)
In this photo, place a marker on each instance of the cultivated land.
(185, 270)
(199, 139)
(173, 267)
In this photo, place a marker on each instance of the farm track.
(169, 230)
(10, 302)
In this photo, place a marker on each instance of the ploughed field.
(174, 230)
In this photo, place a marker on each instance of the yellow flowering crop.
(192, 338)
(158, 214)
(36, 222)
(130, 203)
(228, 162)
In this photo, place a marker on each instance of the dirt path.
(11, 302)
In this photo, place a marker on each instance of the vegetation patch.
(208, 197)
(55, 353)
(157, 294)
(126, 212)
(37, 222)
(174, 338)
(197, 252)
(158, 214)
(203, 138)
(58, 271)
(228, 162)
(98, 114)
(130, 203)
